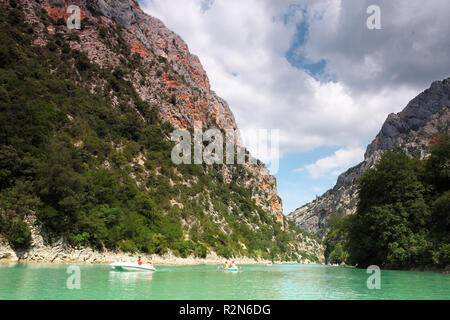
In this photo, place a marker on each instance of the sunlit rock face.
(173, 78)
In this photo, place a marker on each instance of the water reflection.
(230, 272)
(49, 281)
(130, 284)
(127, 276)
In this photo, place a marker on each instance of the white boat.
(132, 266)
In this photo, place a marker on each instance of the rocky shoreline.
(60, 252)
(87, 255)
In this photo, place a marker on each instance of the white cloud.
(242, 46)
(336, 163)
(249, 38)
(411, 48)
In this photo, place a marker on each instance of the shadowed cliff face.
(410, 131)
(173, 79)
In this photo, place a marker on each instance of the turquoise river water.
(277, 282)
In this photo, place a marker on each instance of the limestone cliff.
(129, 66)
(173, 78)
(410, 131)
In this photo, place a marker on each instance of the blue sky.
(313, 70)
(295, 55)
(298, 187)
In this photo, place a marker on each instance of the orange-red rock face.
(276, 207)
(57, 12)
(139, 49)
(169, 83)
(268, 185)
(171, 70)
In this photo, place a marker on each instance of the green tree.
(402, 218)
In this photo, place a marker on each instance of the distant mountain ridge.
(410, 131)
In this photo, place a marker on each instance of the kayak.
(231, 269)
(132, 266)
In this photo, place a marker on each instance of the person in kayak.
(233, 265)
(149, 261)
(139, 261)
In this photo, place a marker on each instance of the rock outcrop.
(143, 76)
(183, 75)
(59, 251)
(411, 131)
(173, 80)
(7, 254)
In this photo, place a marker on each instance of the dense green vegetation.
(403, 215)
(69, 157)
